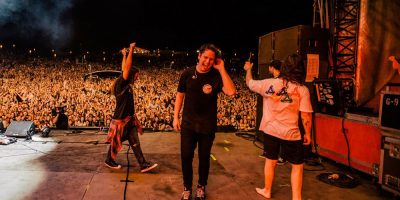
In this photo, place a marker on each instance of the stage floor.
(70, 165)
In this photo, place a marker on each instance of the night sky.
(173, 24)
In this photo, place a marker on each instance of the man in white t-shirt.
(283, 98)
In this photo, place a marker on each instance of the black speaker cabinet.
(299, 39)
(20, 129)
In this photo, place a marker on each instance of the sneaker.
(281, 161)
(112, 164)
(186, 194)
(200, 193)
(147, 167)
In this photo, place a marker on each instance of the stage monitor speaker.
(20, 129)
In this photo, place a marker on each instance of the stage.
(69, 165)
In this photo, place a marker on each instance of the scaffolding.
(344, 36)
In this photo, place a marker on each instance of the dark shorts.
(291, 150)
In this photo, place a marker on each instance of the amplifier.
(389, 173)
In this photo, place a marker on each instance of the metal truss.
(345, 30)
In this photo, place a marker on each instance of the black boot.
(111, 162)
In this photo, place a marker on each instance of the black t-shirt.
(200, 104)
(62, 120)
(124, 96)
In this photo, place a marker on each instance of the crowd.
(31, 90)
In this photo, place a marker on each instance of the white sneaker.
(147, 167)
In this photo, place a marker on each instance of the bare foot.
(262, 192)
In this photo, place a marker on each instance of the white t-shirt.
(281, 106)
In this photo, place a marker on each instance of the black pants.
(189, 141)
(131, 134)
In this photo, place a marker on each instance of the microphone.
(250, 56)
(195, 74)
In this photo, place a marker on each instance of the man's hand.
(396, 64)
(177, 125)
(248, 65)
(219, 64)
(138, 125)
(307, 139)
(132, 45)
(124, 51)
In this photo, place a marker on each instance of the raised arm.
(228, 87)
(123, 52)
(127, 64)
(249, 75)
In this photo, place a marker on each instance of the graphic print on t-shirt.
(282, 95)
(207, 89)
(270, 90)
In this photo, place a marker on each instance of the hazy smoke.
(38, 17)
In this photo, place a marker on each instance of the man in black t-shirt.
(198, 90)
(60, 119)
(125, 125)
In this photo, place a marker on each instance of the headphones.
(195, 74)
